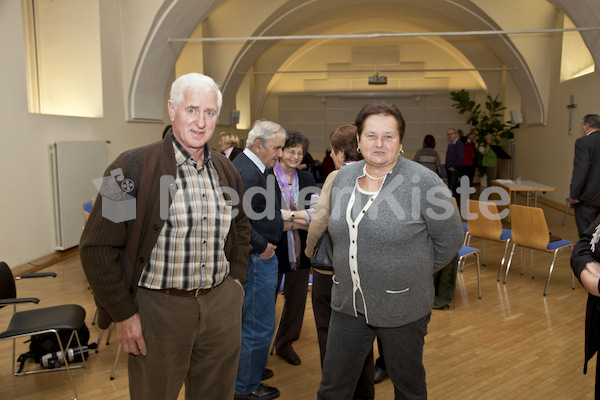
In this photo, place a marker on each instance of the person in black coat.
(584, 193)
(585, 262)
(263, 149)
(292, 261)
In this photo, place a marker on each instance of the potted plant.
(483, 120)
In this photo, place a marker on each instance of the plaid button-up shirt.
(189, 253)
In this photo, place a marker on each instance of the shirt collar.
(228, 152)
(182, 155)
(254, 158)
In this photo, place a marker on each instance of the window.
(62, 46)
(576, 59)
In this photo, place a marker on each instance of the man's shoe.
(267, 373)
(262, 392)
(291, 357)
(380, 375)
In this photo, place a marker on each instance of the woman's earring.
(401, 152)
(358, 149)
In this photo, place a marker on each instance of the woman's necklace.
(375, 178)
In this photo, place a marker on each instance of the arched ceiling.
(178, 18)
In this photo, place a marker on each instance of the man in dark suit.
(585, 184)
(454, 159)
(263, 149)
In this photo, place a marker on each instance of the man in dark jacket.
(170, 275)
(585, 191)
(454, 159)
(263, 149)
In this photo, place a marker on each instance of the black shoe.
(290, 356)
(380, 375)
(262, 392)
(267, 373)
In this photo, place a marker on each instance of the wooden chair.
(485, 228)
(529, 230)
(463, 254)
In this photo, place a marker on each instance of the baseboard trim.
(44, 262)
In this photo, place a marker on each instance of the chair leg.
(509, 262)
(503, 257)
(550, 271)
(66, 358)
(99, 340)
(478, 276)
(532, 271)
(110, 330)
(483, 252)
(114, 369)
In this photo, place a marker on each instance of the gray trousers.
(349, 341)
(190, 340)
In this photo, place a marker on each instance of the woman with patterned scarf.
(299, 195)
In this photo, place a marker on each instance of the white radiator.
(75, 164)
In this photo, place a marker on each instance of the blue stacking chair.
(463, 254)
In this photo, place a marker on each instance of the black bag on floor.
(44, 348)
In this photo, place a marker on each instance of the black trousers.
(321, 300)
(295, 289)
(584, 216)
(453, 181)
(469, 171)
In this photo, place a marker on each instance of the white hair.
(197, 82)
(264, 131)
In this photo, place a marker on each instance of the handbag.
(322, 257)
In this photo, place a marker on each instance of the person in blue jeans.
(263, 149)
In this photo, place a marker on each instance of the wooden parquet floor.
(514, 343)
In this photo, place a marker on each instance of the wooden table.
(513, 186)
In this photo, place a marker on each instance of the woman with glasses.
(297, 210)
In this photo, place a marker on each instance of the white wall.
(26, 208)
(545, 153)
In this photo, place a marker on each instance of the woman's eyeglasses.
(294, 153)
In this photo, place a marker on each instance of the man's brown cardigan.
(113, 255)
